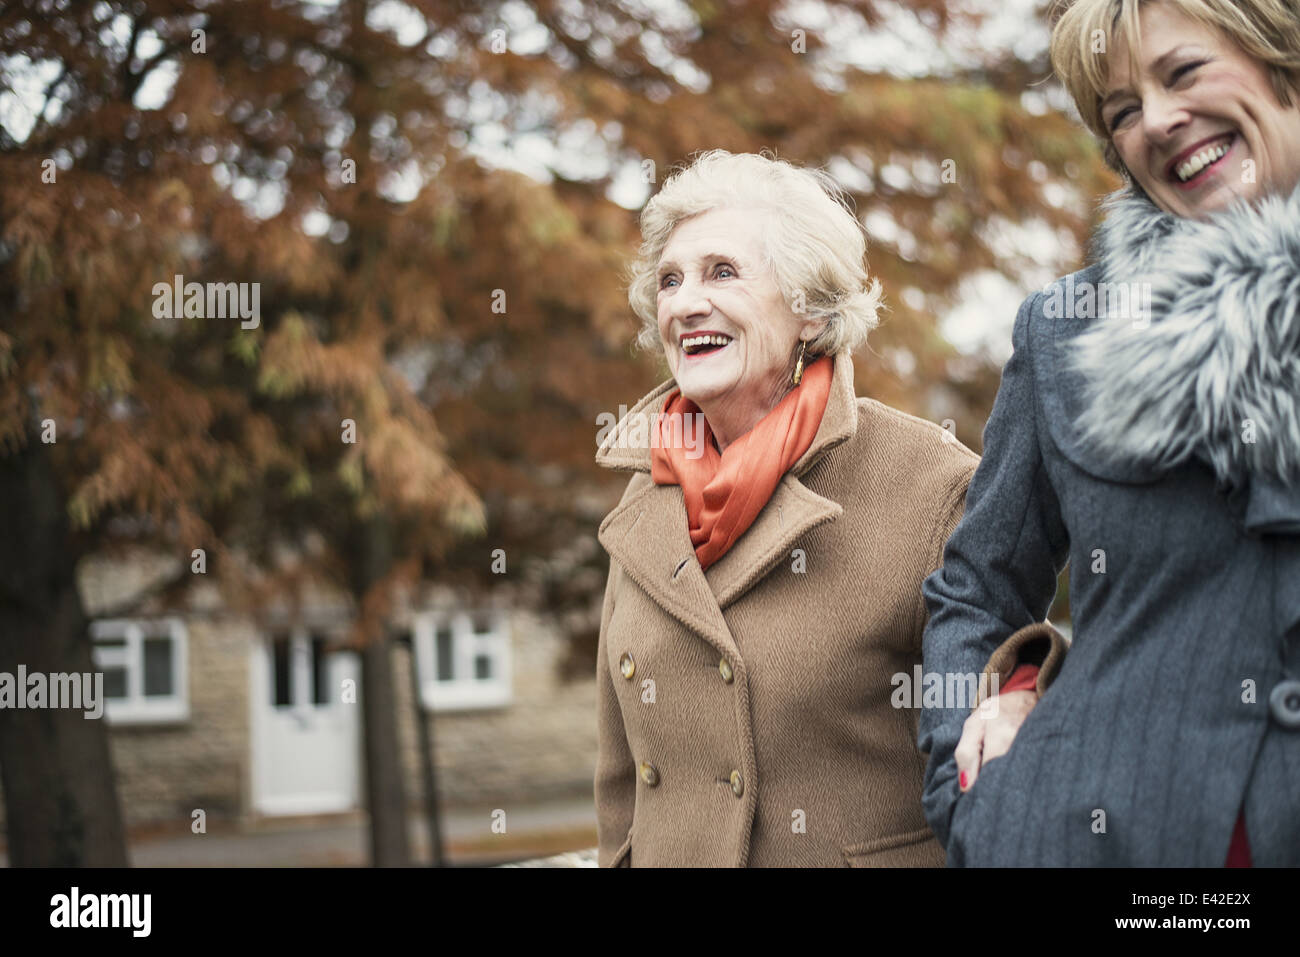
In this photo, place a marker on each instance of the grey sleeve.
(999, 567)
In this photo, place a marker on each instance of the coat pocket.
(917, 848)
(623, 856)
(993, 806)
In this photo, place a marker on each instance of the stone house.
(244, 719)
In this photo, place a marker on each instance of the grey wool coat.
(744, 713)
(1159, 452)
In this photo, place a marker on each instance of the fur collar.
(1212, 370)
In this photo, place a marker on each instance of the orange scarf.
(725, 492)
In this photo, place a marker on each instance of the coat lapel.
(648, 538)
(647, 533)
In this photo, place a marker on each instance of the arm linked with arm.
(999, 568)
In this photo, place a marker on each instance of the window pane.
(444, 649)
(280, 696)
(158, 666)
(482, 668)
(110, 642)
(319, 671)
(115, 682)
(482, 623)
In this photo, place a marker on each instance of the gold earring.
(798, 363)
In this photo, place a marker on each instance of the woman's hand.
(989, 731)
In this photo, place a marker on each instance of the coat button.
(627, 666)
(1284, 702)
(724, 666)
(737, 784)
(649, 774)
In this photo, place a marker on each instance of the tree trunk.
(428, 773)
(61, 804)
(385, 791)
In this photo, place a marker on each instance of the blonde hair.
(814, 244)
(1268, 30)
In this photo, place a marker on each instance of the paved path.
(530, 832)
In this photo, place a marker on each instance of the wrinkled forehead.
(722, 231)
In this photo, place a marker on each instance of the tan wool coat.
(744, 711)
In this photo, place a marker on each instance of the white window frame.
(464, 692)
(301, 686)
(135, 708)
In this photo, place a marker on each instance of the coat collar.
(647, 533)
(1206, 366)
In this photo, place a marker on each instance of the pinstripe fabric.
(1148, 741)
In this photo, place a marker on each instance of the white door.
(305, 736)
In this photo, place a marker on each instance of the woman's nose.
(1162, 117)
(689, 300)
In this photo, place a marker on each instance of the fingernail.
(962, 781)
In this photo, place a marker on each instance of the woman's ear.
(811, 328)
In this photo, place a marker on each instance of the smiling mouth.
(1190, 169)
(704, 344)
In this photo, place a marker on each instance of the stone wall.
(166, 772)
(540, 746)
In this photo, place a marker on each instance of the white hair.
(814, 244)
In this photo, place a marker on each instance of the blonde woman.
(1157, 448)
(767, 556)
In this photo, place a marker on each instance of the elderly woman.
(767, 556)
(1157, 448)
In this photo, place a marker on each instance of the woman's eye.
(1184, 70)
(666, 280)
(1119, 117)
(730, 273)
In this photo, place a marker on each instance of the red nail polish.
(963, 781)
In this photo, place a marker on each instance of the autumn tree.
(294, 429)
(438, 333)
